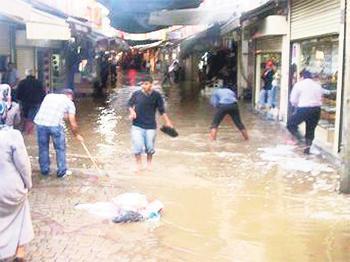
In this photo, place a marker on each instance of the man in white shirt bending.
(306, 96)
(49, 120)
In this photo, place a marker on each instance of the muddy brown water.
(222, 201)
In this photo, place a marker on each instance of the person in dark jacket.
(30, 93)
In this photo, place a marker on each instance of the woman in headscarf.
(16, 228)
(13, 117)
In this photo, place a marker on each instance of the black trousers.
(230, 109)
(309, 115)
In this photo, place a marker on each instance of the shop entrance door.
(261, 60)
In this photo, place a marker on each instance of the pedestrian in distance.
(225, 101)
(143, 105)
(267, 92)
(49, 121)
(306, 96)
(11, 78)
(30, 93)
(16, 228)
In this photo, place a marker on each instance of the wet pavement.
(230, 200)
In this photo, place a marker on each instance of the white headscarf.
(5, 94)
(3, 112)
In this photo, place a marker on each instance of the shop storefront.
(268, 44)
(50, 68)
(268, 49)
(316, 46)
(42, 56)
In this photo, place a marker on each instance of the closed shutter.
(269, 44)
(5, 39)
(25, 60)
(311, 18)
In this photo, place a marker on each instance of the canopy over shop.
(131, 16)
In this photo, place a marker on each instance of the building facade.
(317, 44)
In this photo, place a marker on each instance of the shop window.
(321, 58)
(275, 58)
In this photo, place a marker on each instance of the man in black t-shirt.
(143, 105)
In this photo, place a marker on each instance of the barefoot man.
(143, 105)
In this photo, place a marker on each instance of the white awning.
(15, 9)
(148, 46)
(42, 25)
(193, 16)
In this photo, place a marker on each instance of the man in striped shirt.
(49, 120)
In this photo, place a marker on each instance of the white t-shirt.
(306, 93)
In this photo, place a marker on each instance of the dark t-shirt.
(30, 91)
(268, 78)
(145, 107)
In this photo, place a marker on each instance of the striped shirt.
(53, 110)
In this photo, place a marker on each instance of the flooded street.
(232, 200)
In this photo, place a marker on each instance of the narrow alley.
(230, 200)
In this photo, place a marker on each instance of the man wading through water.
(225, 101)
(142, 106)
(306, 96)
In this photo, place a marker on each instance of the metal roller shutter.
(25, 60)
(314, 18)
(5, 40)
(269, 44)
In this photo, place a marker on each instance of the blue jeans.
(59, 142)
(268, 97)
(143, 140)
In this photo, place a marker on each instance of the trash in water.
(129, 216)
(126, 208)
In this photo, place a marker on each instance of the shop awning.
(200, 42)
(264, 10)
(10, 9)
(232, 25)
(39, 24)
(148, 46)
(133, 15)
(140, 42)
(42, 25)
(193, 16)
